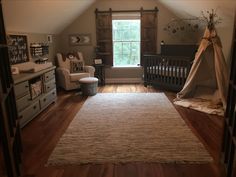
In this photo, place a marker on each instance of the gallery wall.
(41, 38)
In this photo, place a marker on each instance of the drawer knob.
(48, 87)
(44, 99)
(26, 86)
(35, 107)
(53, 93)
(47, 77)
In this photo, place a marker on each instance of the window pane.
(126, 42)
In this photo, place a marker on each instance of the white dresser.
(29, 102)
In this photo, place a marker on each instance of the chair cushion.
(63, 63)
(76, 66)
(77, 76)
(88, 80)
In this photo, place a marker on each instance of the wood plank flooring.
(41, 135)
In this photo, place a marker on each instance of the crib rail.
(167, 72)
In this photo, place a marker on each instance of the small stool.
(89, 85)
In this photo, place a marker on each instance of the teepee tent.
(207, 80)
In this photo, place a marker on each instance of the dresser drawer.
(23, 102)
(29, 113)
(49, 85)
(21, 89)
(49, 75)
(48, 98)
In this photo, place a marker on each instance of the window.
(126, 42)
(113, 45)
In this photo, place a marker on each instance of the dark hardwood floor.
(41, 135)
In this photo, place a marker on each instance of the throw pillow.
(76, 66)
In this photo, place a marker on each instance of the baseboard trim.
(124, 81)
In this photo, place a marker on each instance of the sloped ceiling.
(183, 8)
(42, 16)
(53, 16)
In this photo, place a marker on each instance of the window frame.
(123, 17)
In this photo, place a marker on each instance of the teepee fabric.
(208, 76)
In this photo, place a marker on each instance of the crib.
(169, 70)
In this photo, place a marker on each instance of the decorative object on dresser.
(70, 80)
(170, 69)
(31, 67)
(34, 92)
(100, 73)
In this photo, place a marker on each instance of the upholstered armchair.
(68, 79)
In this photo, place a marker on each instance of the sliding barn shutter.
(148, 33)
(104, 49)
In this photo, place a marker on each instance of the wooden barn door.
(104, 49)
(148, 33)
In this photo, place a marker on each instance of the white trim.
(126, 16)
(124, 80)
(127, 67)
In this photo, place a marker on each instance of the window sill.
(126, 67)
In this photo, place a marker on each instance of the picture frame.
(49, 38)
(18, 48)
(80, 39)
(97, 61)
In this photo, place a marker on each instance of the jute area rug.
(128, 127)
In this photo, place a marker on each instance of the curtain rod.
(124, 11)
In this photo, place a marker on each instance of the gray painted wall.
(85, 23)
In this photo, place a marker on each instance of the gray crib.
(169, 70)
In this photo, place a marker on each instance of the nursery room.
(118, 88)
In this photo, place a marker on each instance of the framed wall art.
(18, 48)
(80, 39)
(49, 38)
(97, 61)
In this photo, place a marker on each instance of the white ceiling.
(194, 7)
(53, 16)
(42, 16)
